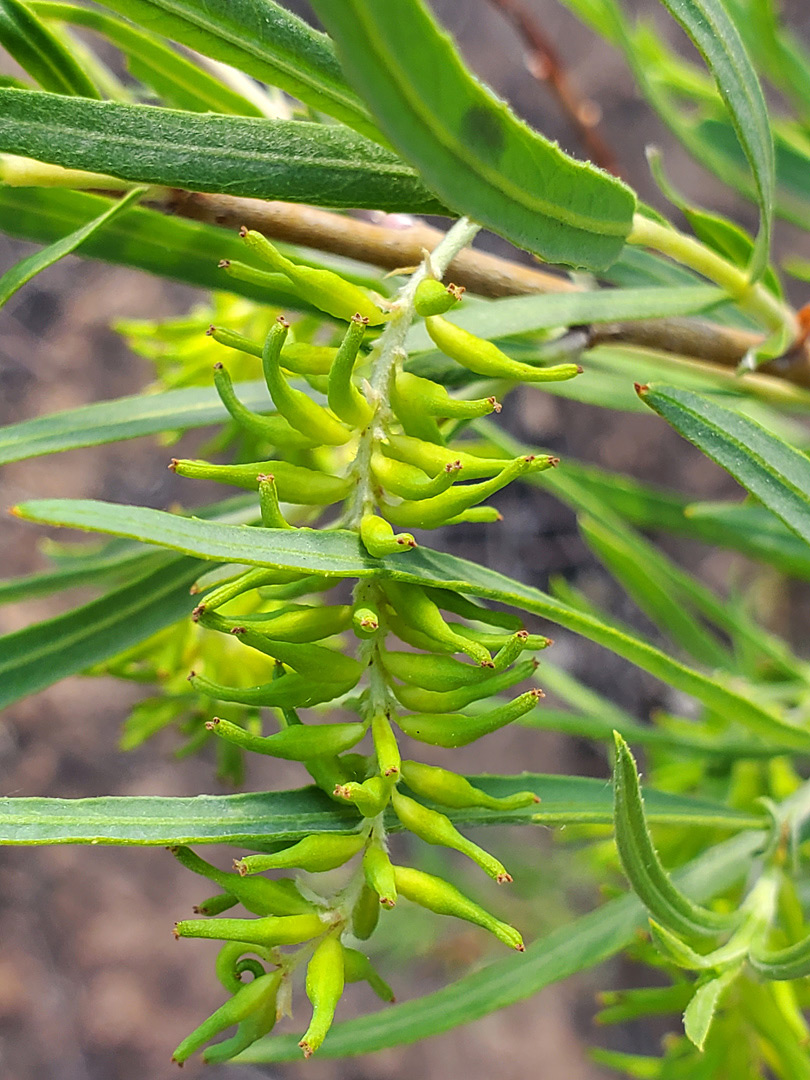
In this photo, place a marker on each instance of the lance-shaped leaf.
(295, 160)
(768, 467)
(640, 861)
(711, 29)
(39, 51)
(179, 83)
(449, 126)
(291, 815)
(262, 39)
(28, 268)
(340, 553)
(699, 1014)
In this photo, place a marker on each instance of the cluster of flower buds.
(421, 655)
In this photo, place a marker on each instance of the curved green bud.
(500, 641)
(432, 398)
(300, 411)
(511, 649)
(432, 701)
(255, 1026)
(292, 743)
(468, 609)
(407, 481)
(434, 512)
(450, 789)
(231, 339)
(324, 289)
(379, 873)
(251, 579)
(433, 298)
(416, 422)
(324, 986)
(477, 515)
(371, 797)
(416, 638)
(244, 272)
(365, 916)
(298, 623)
(249, 999)
(260, 896)
(345, 400)
(445, 899)
(304, 657)
(365, 622)
(458, 729)
(272, 517)
(414, 606)
(358, 968)
(438, 673)
(304, 359)
(380, 539)
(231, 964)
(294, 483)
(432, 459)
(386, 746)
(215, 905)
(316, 854)
(269, 931)
(274, 428)
(435, 828)
(485, 358)
(291, 691)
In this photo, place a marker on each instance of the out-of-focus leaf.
(39, 51)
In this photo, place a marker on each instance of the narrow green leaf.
(40, 53)
(290, 815)
(577, 946)
(641, 864)
(525, 314)
(716, 37)
(40, 655)
(171, 247)
(117, 560)
(28, 268)
(124, 418)
(701, 1009)
(262, 39)
(340, 553)
(180, 83)
(269, 159)
(448, 125)
(769, 468)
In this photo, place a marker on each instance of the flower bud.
(450, 789)
(485, 358)
(432, 458)
(432, 398)
(371, 797)
(445, 899)
(294, 623)
(415, 607)
(365, 914)
(293, 743)
(365, 622)
(271, 930)
(408, 482)
(294, 483)
(291, 691)
(260, 896)
(439, 673)
(433, 298)
(215, 905)
(272, 517)
(379, 873)
(385, 746)
(273, 428)
(316, 854)
(248, 1000)
(345, 400)
(324, 986)
(459, 729)
(414, 697)
(379, 538)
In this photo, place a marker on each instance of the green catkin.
(259, 896)
(325, 290)
(379, 539)
(379, 873)
(365, 915)
(445, 899)
(450, 789)
(434, 298)
(484, 358)
(458, 729)
(273, 428)
(436, 828)
(408, 482)
(432, 398)
(300, 411)
(269, 931)
(324, 986)
(414, 607)
(293, 743)
(315, 854)
(294, 483)
(345, 400)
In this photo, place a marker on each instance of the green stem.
(751, 297)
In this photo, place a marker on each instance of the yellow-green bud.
(379, 873)
(415, 607)
(433, 298)
(450, 789)
(485, 358)
(414, 697)
(371, 797)
(248, 1000)
(271, 930)
(297, 743)
(365, 621)
(324, 985)
(379, 538)
(273, 428)
(345, 400)
(316, 853)
(385, 746)
(294, 483)
(260, 896)
(459, 729)
(365, 914)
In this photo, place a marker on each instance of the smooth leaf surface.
(769, 468)
(40, 52)
(340, 553)
(264, 40)
(180, 83)
(290, 815)
(268, 159)
(122, 560)
(449, 126)
(28, 268)
(39, 655)
(577, 946)
(711, 29)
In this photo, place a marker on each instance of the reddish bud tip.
(580, 369)
(538, 693)
(535, 798)
(499, 517)
(223, 264)
(265, 478)
(172, 464)
(522, 634)
(211, 330)
(393, 771)
(175, 932)
(641, 388)
(554, 462)
(358, 318)
(387, 902)
(521, 947)
(504, 878)
(341, 791)
(496, 405)
(529, 458)
(282, 322)
(243, 231)
(308, 1051)
(239, 630)
(191, 675)
(212, 723)
(197, 612)
(218, 366)
(239, 867)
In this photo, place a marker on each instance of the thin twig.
(545, 64)
(487, 275)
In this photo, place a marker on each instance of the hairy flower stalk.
(379, 445)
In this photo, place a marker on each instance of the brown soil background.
(92, 987)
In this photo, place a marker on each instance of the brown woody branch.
(391, 248)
